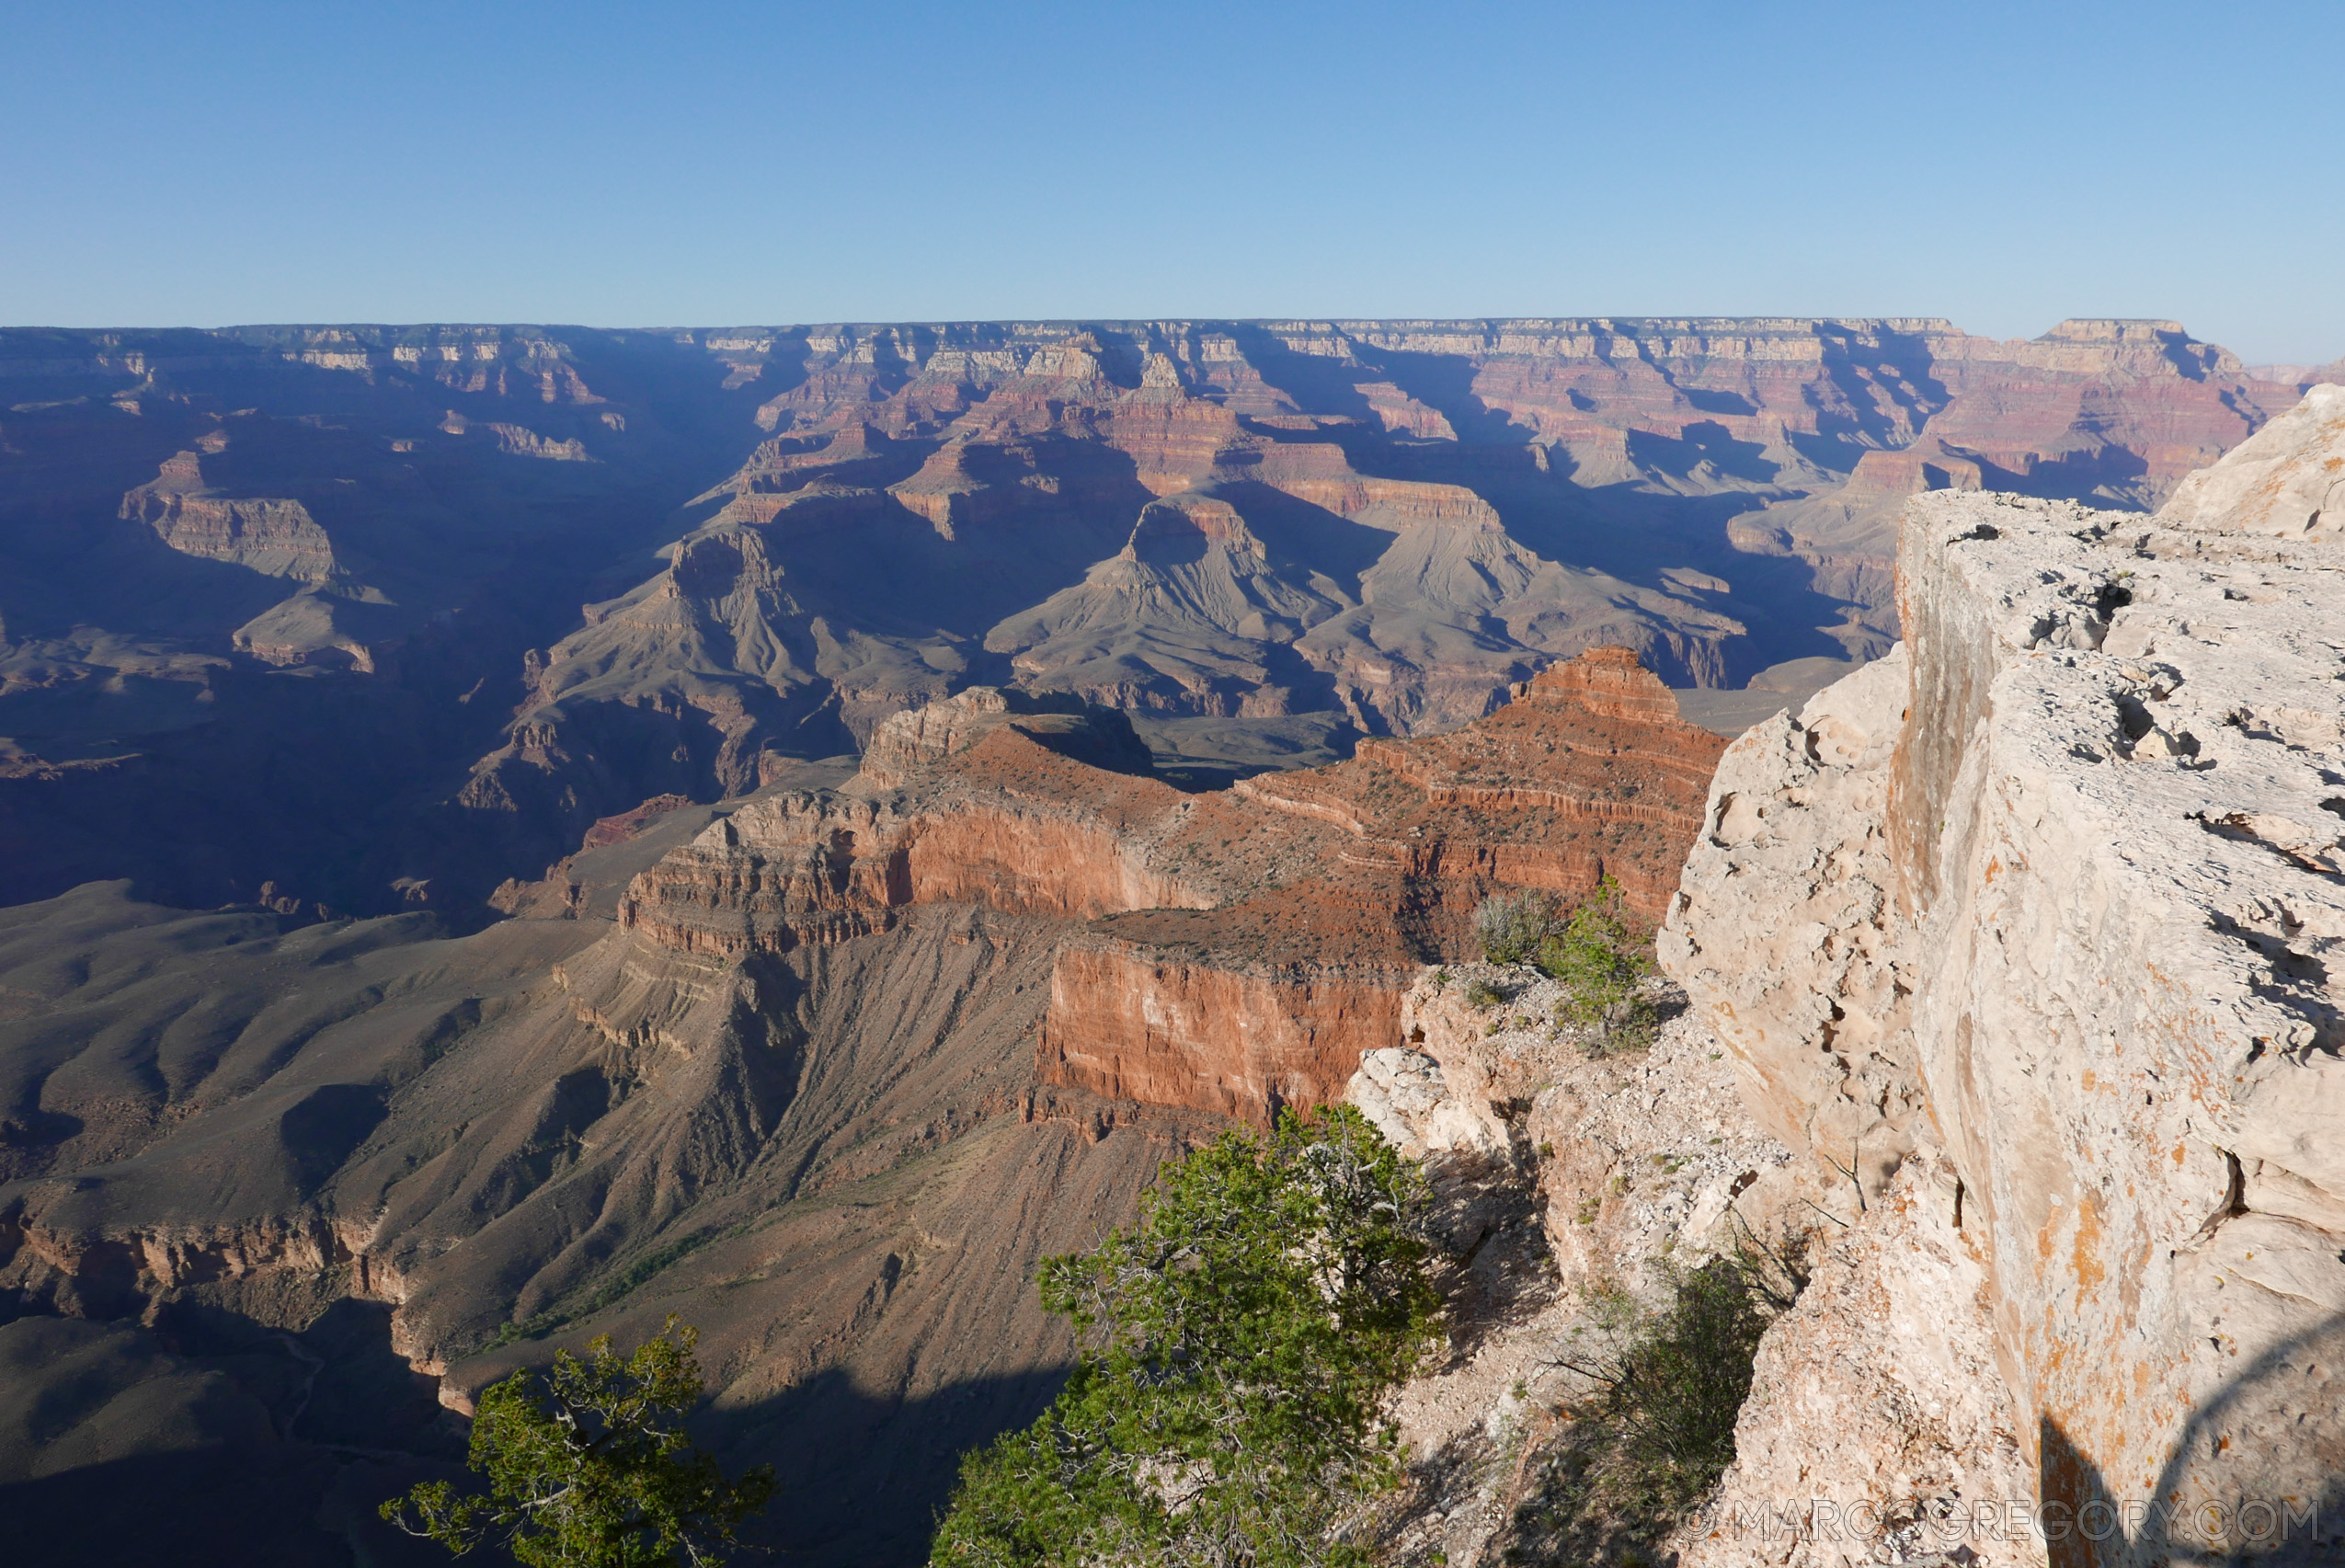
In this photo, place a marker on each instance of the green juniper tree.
(588, 1467)
(1236, 1345)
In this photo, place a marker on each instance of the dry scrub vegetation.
(1596, 953)
(1239, 1346)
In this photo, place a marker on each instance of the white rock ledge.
(2062, 917)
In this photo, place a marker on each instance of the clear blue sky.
(704, 162)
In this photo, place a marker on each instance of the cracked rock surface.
(2076, 891)
(1557, 1172)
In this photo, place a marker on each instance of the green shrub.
(1480, 994)
(1510, 926)
(1664, 1387)
(1600, 960)
(607, 1293)
(1236, 1345)
(1673, 1384)
(588, 1467)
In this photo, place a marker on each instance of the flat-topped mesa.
(274, 536)
(2066, 893)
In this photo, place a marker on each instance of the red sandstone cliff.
(1228, 952)
(833, 1075)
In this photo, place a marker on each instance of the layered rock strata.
(1239, 950)
(829, 1077)
(2035, 948)
(589, 568)
(1389, 522)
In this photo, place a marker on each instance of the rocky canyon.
(506, 833)
(829, 1077)
(454, 594)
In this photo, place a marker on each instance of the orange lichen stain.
(1994, 869)
(2180, 1154)
(2087, 1081)
(2085, 1255)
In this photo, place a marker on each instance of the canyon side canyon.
(506, 833)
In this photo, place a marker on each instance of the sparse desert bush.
(1480, 994)
(1510, 926)
(1672, 1381)
(1664, 1385)
(1600, 959)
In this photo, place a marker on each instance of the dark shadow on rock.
(1317, 383)
(2092, 1524)
(335, 1383)
(1300, 536)
(2101, 475)
(320, 1130)
(1486, 1218)
(215, 1439)
(1121, 355)
(1199, 754)
(223, 1505)
(1895, 367)
(1699, 443)
(863, 1476)
(1445, 383)
(1709, 401)
(320, 1427)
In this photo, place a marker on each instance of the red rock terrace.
(1231, 951)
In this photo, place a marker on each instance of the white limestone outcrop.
(2287, 480)
(1406, 1094)
(1811, 989)
(2050, 940)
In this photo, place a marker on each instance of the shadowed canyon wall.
(473, 589)
(827, 1076)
